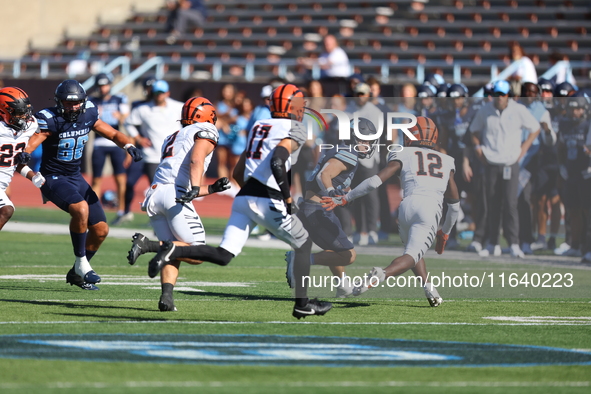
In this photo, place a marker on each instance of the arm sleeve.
(280, 156)
(364, 187)
(551, 139)
(453, 211)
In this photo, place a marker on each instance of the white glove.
(38, 180)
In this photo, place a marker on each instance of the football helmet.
(425, 131)
(103, 79)
(198, 110)
(424, 91)
(442, 89)
(72, 92)
(287, 101)
(457, 90)
(564, 89)
(366, 128)
(433, 79)
(546, 85)
(15, 109)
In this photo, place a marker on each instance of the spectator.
(496, 133)
(333, 63)
(366, 211)
(113, 109)
(149, 124)
(181, 13)
(564, 72)
(426, 105)
(226, 125)
(529, 165)
(135, 170)
(526, 71)
(262, 110)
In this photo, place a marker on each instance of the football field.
(234, 331)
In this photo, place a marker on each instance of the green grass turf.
(44, 304)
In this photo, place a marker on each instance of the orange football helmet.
(198, 110)
(15, 108)
(425, 131)
(287, 101)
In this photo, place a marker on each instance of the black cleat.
(313, 307)
(161, 259)
(74, 279)
(166, 304)
(138, 247)
(92, 277)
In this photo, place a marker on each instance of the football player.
(265, 199)
(186, 155)
(427, 178)
(331, 177)
(63, 131)
(17, 125)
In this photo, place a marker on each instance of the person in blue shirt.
(113, 109)
(63, 131)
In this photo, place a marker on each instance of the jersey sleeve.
(91, 113)
(298, 133)
(208, 132)
(395, 156)
(46, 120)
(348, 158)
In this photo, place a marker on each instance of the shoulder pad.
(298, 133)
(89, 104)
(347, 157)
(45, 119)
(210, 135)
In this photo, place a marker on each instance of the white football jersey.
(10, 145)
(175, 164)
(424, 171)
(264, 136)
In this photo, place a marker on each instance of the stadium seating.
(437, 34)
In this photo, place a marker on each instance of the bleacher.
(380, 36)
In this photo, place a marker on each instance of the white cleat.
(516, 251)
(373, 279)
(432, 295)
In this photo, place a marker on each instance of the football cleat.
(344, 291)
(161, 259)
(432, 295)
(374, 278)
(138, 247)
(166, 304)
(290, 259)
(313, 307)
(92, 277)
(74, 279)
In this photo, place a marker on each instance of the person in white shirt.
(185, 156)
(155, 120)
(334, 62)
(496, 136)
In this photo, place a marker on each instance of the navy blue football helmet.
(70, 91)
(564, 89)
(366, 128)
(457, 90)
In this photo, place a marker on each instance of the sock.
(553, 235)
(541, 238)
(120, 213)
(167, 288)
(81, 266)
(219, 255)
(90, 254)
(301, 302)
(311, 259)
(152, 246)
(79, 243)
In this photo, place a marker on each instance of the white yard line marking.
(188, 384)
(587, 323)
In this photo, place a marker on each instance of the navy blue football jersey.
(341, 181)
(62, 150)
(108, 107)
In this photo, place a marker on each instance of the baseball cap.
(160, 86)
(502, 87)
(266, 91)
(362, 88)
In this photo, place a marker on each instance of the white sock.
(82, 266)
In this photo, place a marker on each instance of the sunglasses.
(499, 94)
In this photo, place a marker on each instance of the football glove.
(330, 203)
(219, 186)
(134, 152)
(441, 241)
(22, 158)
(189, 196)
(38, 180)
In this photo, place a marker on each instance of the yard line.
(565, 323)
(189, 384)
